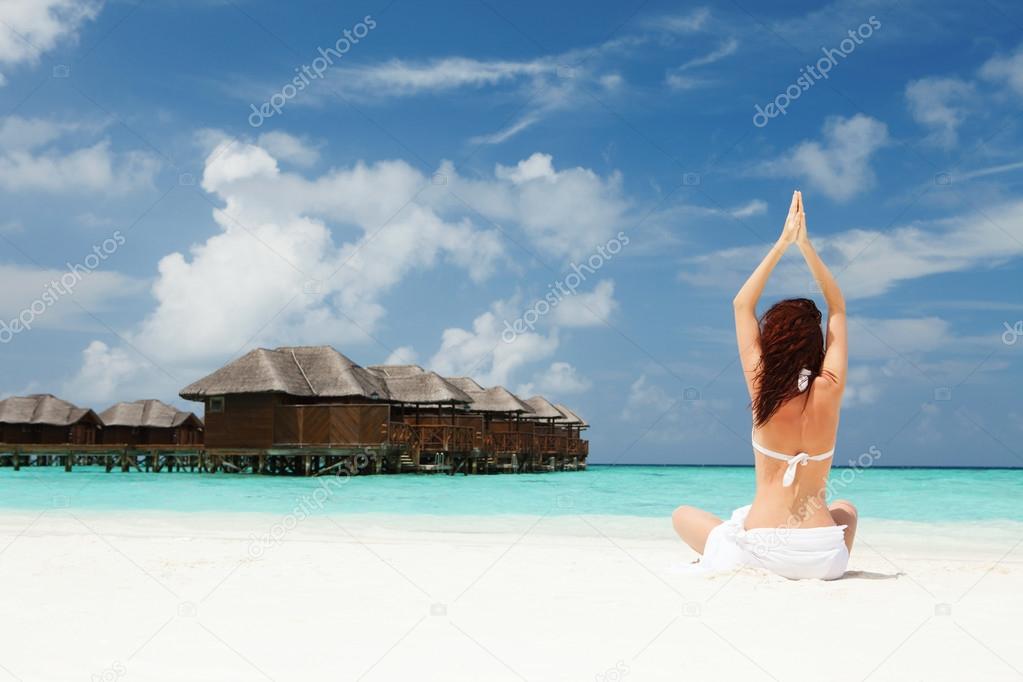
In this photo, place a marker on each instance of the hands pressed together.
(794, 230)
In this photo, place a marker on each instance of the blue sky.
(443, 171)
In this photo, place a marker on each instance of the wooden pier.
(304, 461)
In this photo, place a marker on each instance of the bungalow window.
(217, 404)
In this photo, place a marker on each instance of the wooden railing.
(519, 443)
(551, 444)
(443, 437)
(400, 434)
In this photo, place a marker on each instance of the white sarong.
(794, 553)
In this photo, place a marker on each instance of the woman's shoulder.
(828, 382)
(827, 393)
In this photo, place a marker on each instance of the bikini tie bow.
(790, 470)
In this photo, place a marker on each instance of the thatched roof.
(465, 383)
(543, 408)
(499, 399)
(495, 399)
(396, 371)
(147, 413)
(571, 416)
(44, 409)
(308, 371)
(426, 388)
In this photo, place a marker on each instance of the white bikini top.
(798, 458)
(793, 460)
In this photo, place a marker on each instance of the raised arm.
(836, 356)
(747, 329)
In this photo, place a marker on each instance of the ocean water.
(647, 491)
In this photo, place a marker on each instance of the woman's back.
(808, 423)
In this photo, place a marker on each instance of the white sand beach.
(108, 596)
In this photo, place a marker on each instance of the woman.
(795, 384)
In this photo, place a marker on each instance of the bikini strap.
(792, 460)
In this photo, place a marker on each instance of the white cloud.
(871, 262)
(928, 427)
(884, 338)
(94, 168)
(403, 355)
(690, 22)
(30, 160)
(612, 81)
(587, 309)
(839, 166)
(536, 167)
(1006, 69)
(753, 208)
(24, 286)
(296, 150)
(273, 272)
(402, 78)
(564, 213)
(990, 170)
(669, 417)
(646, 399)
(940, 104)
(560, 379)
(33, 27)
(17, 133)
(105, 371)
(399, 78)
(507, 132)
(308, 260)
(679, 79)
(861, 386)
(545, 85)
(482, 353)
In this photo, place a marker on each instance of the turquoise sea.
(650, 491)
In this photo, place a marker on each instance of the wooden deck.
(305, 460)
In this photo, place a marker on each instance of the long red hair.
(790, 340)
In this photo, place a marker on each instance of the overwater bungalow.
(312, 404)
(45, 419)
(150, 422)
(294, 397)
(550, 438)
(436, 411)
(507, 438)
(577, 447)
(304, 410)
